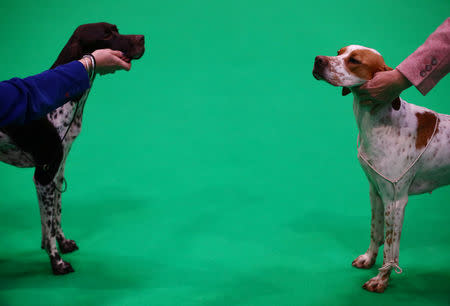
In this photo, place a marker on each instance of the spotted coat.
(391, 140)
(67, 120)
(45, 143)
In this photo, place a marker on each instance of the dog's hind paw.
(364, 261)
(60, 266)
(67, 246)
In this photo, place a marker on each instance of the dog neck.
(71, 52)
(383, 130)
(374, 115)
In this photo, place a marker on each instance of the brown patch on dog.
(368, 64)
(425, 127)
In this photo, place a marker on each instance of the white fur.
(388, 142)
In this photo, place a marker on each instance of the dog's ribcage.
(67, 121)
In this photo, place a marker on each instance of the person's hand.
(383, 88)
(109, 61)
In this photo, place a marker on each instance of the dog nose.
(320, 61)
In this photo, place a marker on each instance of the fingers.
(116, 52)
(120, 55)
(362, 89)
(365, 97)
(367, 86)
(122, 64)
(109, 61)
(364, 86)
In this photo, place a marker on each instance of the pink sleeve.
(430, 62)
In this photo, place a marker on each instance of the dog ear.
(345, 91)
(75, 50)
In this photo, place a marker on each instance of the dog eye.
(353, 60)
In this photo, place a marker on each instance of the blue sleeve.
(24, 100)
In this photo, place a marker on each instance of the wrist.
(86, 64)
(402, 82)
(89, 64)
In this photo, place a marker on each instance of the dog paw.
(376, 284)
(67, 246)
(60, 266)
(364, 261)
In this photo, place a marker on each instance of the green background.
(219, 171)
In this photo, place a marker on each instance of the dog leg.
(42, 213)
(393, 216)
(47, 199)
(65, 245)
(367, 260)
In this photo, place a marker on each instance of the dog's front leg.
(47, 204)
(367, 260)
(393, 216)
(65, 245)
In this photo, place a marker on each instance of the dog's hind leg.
(48, 158)
(393, 216)
(65, 245)
(367, 260)
(47, 203)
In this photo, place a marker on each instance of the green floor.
(219, 171)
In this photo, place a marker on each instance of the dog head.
(352, 66)
(93, 36)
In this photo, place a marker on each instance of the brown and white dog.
(404, 150)
(45, 143)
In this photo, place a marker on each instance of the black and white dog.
(45, 143)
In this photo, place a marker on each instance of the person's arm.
(423, 69)
(430, 62)
(24, 100)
